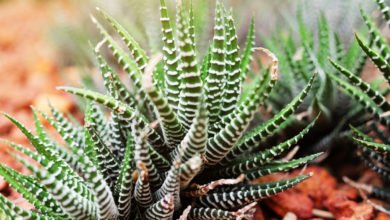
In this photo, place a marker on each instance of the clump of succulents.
(373, 137)
(175, 146)
(309, 52)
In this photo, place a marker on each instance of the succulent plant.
(372, 100)
(306, 53)
(176, 145)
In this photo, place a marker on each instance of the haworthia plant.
(374, 154)
(306, 53)
(174, 147)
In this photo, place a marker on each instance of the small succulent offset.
(176, 147)
(373, 100)
(306, 53)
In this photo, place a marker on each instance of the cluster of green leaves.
(174, 146)
(371, 99)
(303, 54)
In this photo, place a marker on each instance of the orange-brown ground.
(28, 71)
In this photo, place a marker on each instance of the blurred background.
(142, 18)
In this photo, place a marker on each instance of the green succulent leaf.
(171, 63)
(223, 141)
(191, 83)
(173, 130)
(216, 76)
(113, 84)
(124, 112)
(361, 97)
(36, 195)
(376, 37)
(378, 60)
(124, 184)
(228, 200)
(385, 10)
(232, 64)
(246, 56)
(139, 55)
(383, 148)
(376, 97)
(248, 163)
(253, 138)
